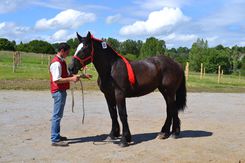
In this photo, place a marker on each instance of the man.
(59, 83)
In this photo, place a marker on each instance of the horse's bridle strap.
(82, 61)
(91, 57)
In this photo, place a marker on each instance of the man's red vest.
(64, 86)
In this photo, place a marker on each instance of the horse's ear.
(88, 36)
(80, 38)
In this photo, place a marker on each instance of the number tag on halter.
(104, 45)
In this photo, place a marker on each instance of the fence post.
(204, 72)
(14, 61)
(187, 70)
(201, 72)
(218, 74)
(19, 58)
(49, 61)
(42, 57)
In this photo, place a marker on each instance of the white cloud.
(61, 35)
(10, 28)
(157, 4)
(55, 4)
(212, 38)
(66, 19)
(157, 22)
(7, 6)
(231, 13)
(242, 43)
(180, 37)
(113, 19)
(12, 31)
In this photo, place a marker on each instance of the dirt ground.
(213, 129)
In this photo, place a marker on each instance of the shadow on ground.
(138, 138)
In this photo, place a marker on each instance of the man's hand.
(86, 76)
(75, 78)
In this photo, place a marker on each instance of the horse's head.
(83, 55)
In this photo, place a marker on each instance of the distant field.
(33, 74)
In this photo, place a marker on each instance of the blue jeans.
(59, 104)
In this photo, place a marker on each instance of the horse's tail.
(181, 94)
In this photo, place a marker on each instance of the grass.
(33, 74)
(209, 83)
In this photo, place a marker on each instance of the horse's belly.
(140, 91)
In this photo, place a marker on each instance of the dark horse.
(156, 72)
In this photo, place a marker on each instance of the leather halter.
(90, 57)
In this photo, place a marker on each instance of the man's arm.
(74, 78)
(55, 69)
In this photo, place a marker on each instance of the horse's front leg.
(115, 129)
(121, 104)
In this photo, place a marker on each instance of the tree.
(152, 47)
(22, 47)
(130, 47)
(39, 46)
(219, 47)
(243, 66)
(197, 54)
(180, 55)
(73, 44)
(214, 58)
(114, 43)
(5, 44)
(55, 46)
(236, 56)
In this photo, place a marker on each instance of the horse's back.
(150, 73)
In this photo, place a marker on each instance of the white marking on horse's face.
(79, 47)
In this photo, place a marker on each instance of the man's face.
(65, 53)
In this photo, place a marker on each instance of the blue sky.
(178, 22)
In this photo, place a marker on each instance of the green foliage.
(131, 57)
(131, 47)
(214, 58)
(197, 54)
(114, 43)
(5, 44)
(237, 52)
(180, 55)
(152, 47)
(36, 46)
(56, 46)
(230, 59)
(73, 44)
(39, 46)
(243, 66)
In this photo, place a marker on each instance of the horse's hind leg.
(176, 124)
(165, 132)
(111, 102)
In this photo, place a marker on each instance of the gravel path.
(213, 129)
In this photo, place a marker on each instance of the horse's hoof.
(176, 135)
(129, 139)
(110, 138)
(123, 144)
(163, 135)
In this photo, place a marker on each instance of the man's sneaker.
(63, 138)
(60, 144)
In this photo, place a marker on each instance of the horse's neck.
(103, 61)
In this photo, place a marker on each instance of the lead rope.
(72, 101)
(82, 101)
